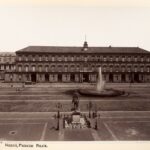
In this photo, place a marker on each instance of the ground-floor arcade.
(79, 77)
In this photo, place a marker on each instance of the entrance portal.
(59, 77)
(136, 77)
(123, 78)
(85, 77)
(110, 77)
(33, 77)
(47, 77)
(72, 77)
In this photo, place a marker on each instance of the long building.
(79, 64)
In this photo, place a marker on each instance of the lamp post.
(58, 106)
(96, 117)
(89, 107)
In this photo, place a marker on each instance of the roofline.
(142, 52)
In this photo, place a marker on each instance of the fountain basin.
(103, 93)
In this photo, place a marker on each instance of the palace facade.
(79, 64)
(7, 63)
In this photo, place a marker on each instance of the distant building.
(79, 64)
(7, 63)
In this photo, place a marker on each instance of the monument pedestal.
(75, 121)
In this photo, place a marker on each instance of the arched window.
(33, 68)
(26, 68)
(40, 58)
(46, 58)
(72, 68)
(53, 68)
(104, 68)
(46, 68)
(40, 68)
(18, 58)
(65, 58)
(116, 68)
(123, 68)
(135, 68)
(117, 58)
(129, 58)
(111, 68)
(142, 68)
(59, 68)
(148, 68)
(20, 77)
(33, 58)
(20, 68)
(66, 68)
(78, 68)
(53, 58)
(26, 58)
(85, 68)
(123, 58)
(129, 68)
(85, 58)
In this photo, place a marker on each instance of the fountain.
(100, 90)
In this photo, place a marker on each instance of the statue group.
(75, 101)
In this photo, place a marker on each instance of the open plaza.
(29, 113)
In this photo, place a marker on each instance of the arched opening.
(33, 77)
(123, 78)
(46, 77)
(136, 77)
(110, 77)
(85, 77)
(59, 77)
(72, 77)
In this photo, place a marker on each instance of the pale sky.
(65, 23)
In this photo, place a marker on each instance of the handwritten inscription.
(19, 145)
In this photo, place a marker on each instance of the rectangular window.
(65, 59)
(117, 58)
(123, 58)
(142, 69)
(123, 68)
(78, 68)
(53, 59)
(104, 58)
(66, 68)
(53, 68)
(46, 68)
(72, 58)
(129, 69)
(59, 58)
(26, 58)
(33, 58)
(129, 59)
(40, 68)
(19, 58)
(19, 68)
(85, 58)
(111, 58)
(33, 68)
(46, 58)
(26, 68)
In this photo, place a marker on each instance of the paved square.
(20, 132)
(129, 130)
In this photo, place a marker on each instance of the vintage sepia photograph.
(74, 71)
